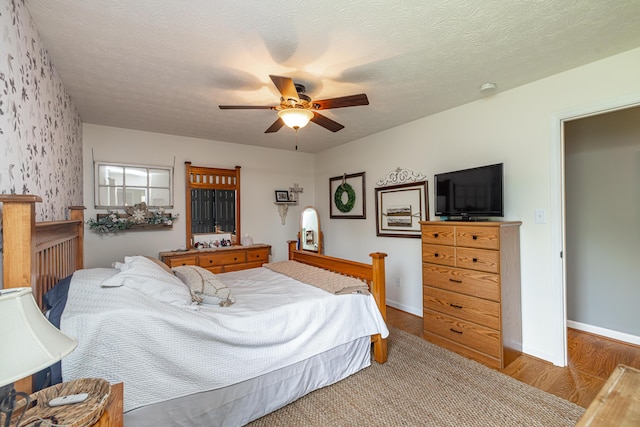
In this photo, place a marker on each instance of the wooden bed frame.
(373, 274)
(38, 255)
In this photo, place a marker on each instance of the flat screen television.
(470, 193)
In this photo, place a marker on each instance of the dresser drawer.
(179, 261)
(222, 258)
(476, 337)
(469, 282)
(465, 307)
(438, 234)
(478, 237)
(256, 255)
(438, 254)
(491, 362)
(478, 259)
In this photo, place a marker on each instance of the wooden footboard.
(373, 274)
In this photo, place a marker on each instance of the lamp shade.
(29, 341)
(295, 118)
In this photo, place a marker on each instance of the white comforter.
(166, 350)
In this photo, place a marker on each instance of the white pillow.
(144, 275)
(204, 285)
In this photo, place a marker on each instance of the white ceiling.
(165, 66)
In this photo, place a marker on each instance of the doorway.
(558, 217)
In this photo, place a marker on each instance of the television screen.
(470, 192)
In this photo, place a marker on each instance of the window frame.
(97, 186)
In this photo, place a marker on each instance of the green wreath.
(351, 198)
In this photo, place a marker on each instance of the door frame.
(557, 216)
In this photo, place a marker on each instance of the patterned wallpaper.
(40, 129)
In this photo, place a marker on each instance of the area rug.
(425, 385)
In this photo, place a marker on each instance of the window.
(120, 185)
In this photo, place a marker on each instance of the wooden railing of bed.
(373, 274)
(38, 255)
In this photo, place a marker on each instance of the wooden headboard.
(38, 255)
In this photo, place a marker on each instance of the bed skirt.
(249, 400)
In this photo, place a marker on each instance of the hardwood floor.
(591, 360)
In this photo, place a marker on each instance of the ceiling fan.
(296, 108)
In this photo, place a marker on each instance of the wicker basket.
(81, 414)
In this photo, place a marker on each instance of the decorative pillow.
(204, 285)
(146, 276)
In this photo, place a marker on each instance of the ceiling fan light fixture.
(295, 118)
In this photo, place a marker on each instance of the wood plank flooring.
(592, 358)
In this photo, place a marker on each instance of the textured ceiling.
(165, 66)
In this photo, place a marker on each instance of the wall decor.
(137, 217)
(400, 208)
(282, 196)
(401, 176)
(347, 196)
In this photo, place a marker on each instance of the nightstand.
(113, 412)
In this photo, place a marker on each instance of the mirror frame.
(320, 235)
(211, 179)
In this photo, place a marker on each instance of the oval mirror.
(310, 236)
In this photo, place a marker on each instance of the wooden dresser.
(220, 260)
(471, 289)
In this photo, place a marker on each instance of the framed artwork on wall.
(347, 196)
(282, 196)
(400, 208)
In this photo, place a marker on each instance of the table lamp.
(29, 344)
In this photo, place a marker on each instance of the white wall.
(514, 127)
(263, 171)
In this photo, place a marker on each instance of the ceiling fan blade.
(285, 86)
(343, 101)
(246, 107)
(275, 127)
(326, 122)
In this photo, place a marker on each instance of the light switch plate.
(541, 216)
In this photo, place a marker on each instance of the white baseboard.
(620, 336)
(404, 308)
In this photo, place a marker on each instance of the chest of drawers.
(220, 260)
(471, 289)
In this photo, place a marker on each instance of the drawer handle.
(457, 332)
(455, 280)
(435, 235)
(436, 255)
(474, 259)
(455, 305)
(235, 259)
(210, 261)
(475, 237)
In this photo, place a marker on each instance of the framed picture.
(400, 208)
(346, 196)
(282, 196)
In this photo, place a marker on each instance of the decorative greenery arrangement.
(137, 216)
(351, 197)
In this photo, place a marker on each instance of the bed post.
(292, 247)
(77, 214)
(378, 290)
(19, 226)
